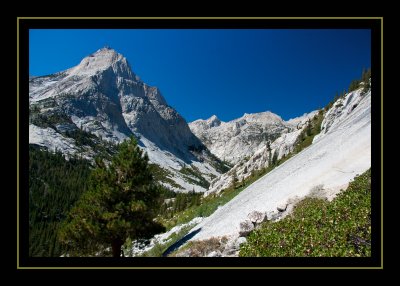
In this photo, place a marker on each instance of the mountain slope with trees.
(120, 203)
(55, 184)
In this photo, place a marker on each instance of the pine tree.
(354, 85)
(269, 158)
(121, 203)
(309, 128)
(336, 97)
(366, 75)
(275, 158)
(235, 179)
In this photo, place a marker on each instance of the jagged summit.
(213, 121)
(266, 116)
(213, 117)
(107, 53)
(103, 59)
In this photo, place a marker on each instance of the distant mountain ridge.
(240, 138)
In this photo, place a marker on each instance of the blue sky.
(222, 72)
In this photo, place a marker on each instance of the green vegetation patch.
(220, 166)
(49, 119)
(306, 136)
(193, 176)
(161, 174)
(320, 228)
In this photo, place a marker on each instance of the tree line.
(55, 184)
(364, 81)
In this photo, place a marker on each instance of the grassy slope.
(320, 228)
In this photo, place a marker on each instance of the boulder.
(240, 241)
(273, 216)
(232, 248)
(214, 254)
(245, 228)
(282, 207)
(257, 217)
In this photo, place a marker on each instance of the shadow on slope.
(180, 242)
